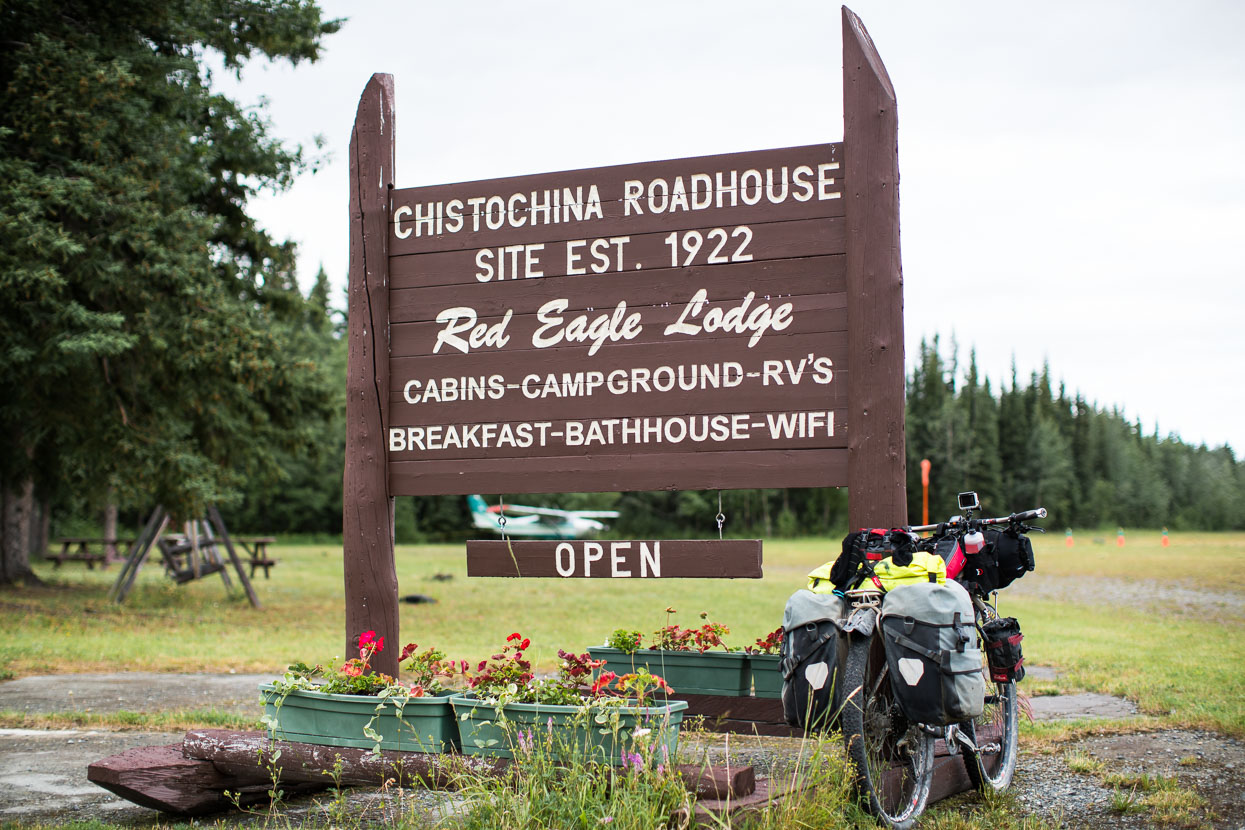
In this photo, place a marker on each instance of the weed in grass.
(1084, 763)
(1126, 801)
(1177, 807)
(1189, 761)
(1139, 781)
(556, 784)
(993, 810)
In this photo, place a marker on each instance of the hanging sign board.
(616, 559)
(666, 325)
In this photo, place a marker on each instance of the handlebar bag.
(1012, 554)
(935, 666)
(810, 657)
(1002, 643)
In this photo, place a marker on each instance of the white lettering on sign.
(582, 203)
(738, 320)
(613, 432)
(683, 377)
(462, 319)
(612, 327)
(576, 559)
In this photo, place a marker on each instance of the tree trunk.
(15, 534)
(110, 517)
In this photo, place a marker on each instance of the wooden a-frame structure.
(195, 555)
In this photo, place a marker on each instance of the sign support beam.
(371, 582)
(876, 463)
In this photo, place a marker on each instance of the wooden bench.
(256, 548)
(90, 550)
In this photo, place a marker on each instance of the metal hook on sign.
(501, 515)
(721, 517)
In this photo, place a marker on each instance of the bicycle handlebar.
(1015, 518)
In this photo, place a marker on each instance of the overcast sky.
(1072, 173)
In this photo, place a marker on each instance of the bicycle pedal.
(965, 742)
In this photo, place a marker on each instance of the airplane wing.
(522, 510)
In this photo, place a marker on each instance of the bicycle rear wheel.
(893, 757)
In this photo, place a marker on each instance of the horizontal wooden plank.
(617, 559)
(706, 377)
(720, 247)
(690, 313)
(764, 278)
(632, 436)
(758, 186)
(608, 473)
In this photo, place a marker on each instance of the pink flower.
(366, 638)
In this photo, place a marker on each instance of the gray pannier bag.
(935, 664)
(810, 656)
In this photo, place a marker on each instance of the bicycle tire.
(994, 732)
(893, 759)
(993, 765)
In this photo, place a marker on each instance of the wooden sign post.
(684, 324)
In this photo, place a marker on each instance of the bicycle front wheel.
(893, 757)
(992, 766)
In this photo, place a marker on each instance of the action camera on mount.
(968, 501)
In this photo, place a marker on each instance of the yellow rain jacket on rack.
(924, 566)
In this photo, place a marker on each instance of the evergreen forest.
(156, 346)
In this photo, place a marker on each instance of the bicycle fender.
(861, 621)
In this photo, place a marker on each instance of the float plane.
(538, 522)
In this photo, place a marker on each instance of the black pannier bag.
(1002, 642)
(1012, 554)
(809, 666)
(934, 663)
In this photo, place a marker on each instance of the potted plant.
(352, 705)
(764, 662)
(509, 712)
(686, 657)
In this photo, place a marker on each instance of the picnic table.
(256, 548)
(90, 550)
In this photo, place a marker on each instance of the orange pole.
(925, 491)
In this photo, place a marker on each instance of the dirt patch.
(1086, 705)
(143, 692)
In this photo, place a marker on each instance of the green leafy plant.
(628, 642)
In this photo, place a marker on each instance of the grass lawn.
(1119, 621)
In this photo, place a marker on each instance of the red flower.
(604, 679)
(380, 644)
(407, 652)
(526, 642)
(515, 636)
(366, 638)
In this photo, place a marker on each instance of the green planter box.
(568, 731)
(688, 672)
(426, 724)
(766, 676)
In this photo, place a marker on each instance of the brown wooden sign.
(665, 310)
(617, 559)
(729, 321)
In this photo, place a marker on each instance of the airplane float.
(538, 522)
